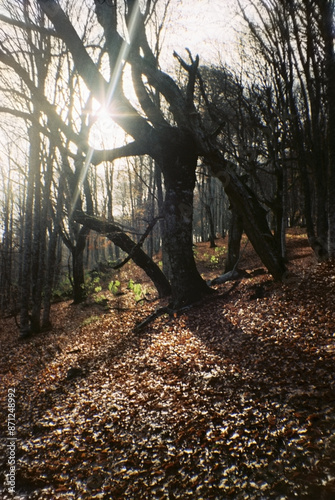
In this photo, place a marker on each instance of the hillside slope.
(232, 399)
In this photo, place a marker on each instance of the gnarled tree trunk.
(252, 213)
(175, 144)
(178, 163)
(256, 227)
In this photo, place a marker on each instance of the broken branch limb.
(140, 243)
(122, 240)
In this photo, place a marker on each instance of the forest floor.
(234, 399)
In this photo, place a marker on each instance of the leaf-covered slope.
(234, 399)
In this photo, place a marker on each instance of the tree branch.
(131, 149)
(123, 113)
(45, 106)
(150, 109)
(29, 26)
(192, 70)
(140, 243)
(122, 240)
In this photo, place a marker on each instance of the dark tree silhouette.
(174, 138)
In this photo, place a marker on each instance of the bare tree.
(295, 40)
(174, 138)
(50, 128)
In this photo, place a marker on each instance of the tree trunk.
(211, 225)
(186, 282)
(234, 240)
(42, 202)
(38, 246)
(278, 207)
(25, 328)
(160, 201)
(6, 246)
(79, 293)
(178, 167)
(52, 257)
(328, 33)
(50, 270)
(321, 220)
(284, 217)
(256, 228)
(253, 216)
(331, 206)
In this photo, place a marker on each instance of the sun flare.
(102, 114)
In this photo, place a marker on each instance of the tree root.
(172, 312)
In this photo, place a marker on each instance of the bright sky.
(206, 27)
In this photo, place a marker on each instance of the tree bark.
(256, 227)
(210, 225)
(25, 327)
(234, 240)
(79, 293)
(328, 33)
(178, 162)
(51, 266)
(49, 279)
(252, 213)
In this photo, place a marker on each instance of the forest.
(167, 249)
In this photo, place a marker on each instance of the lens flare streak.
(121, 60)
